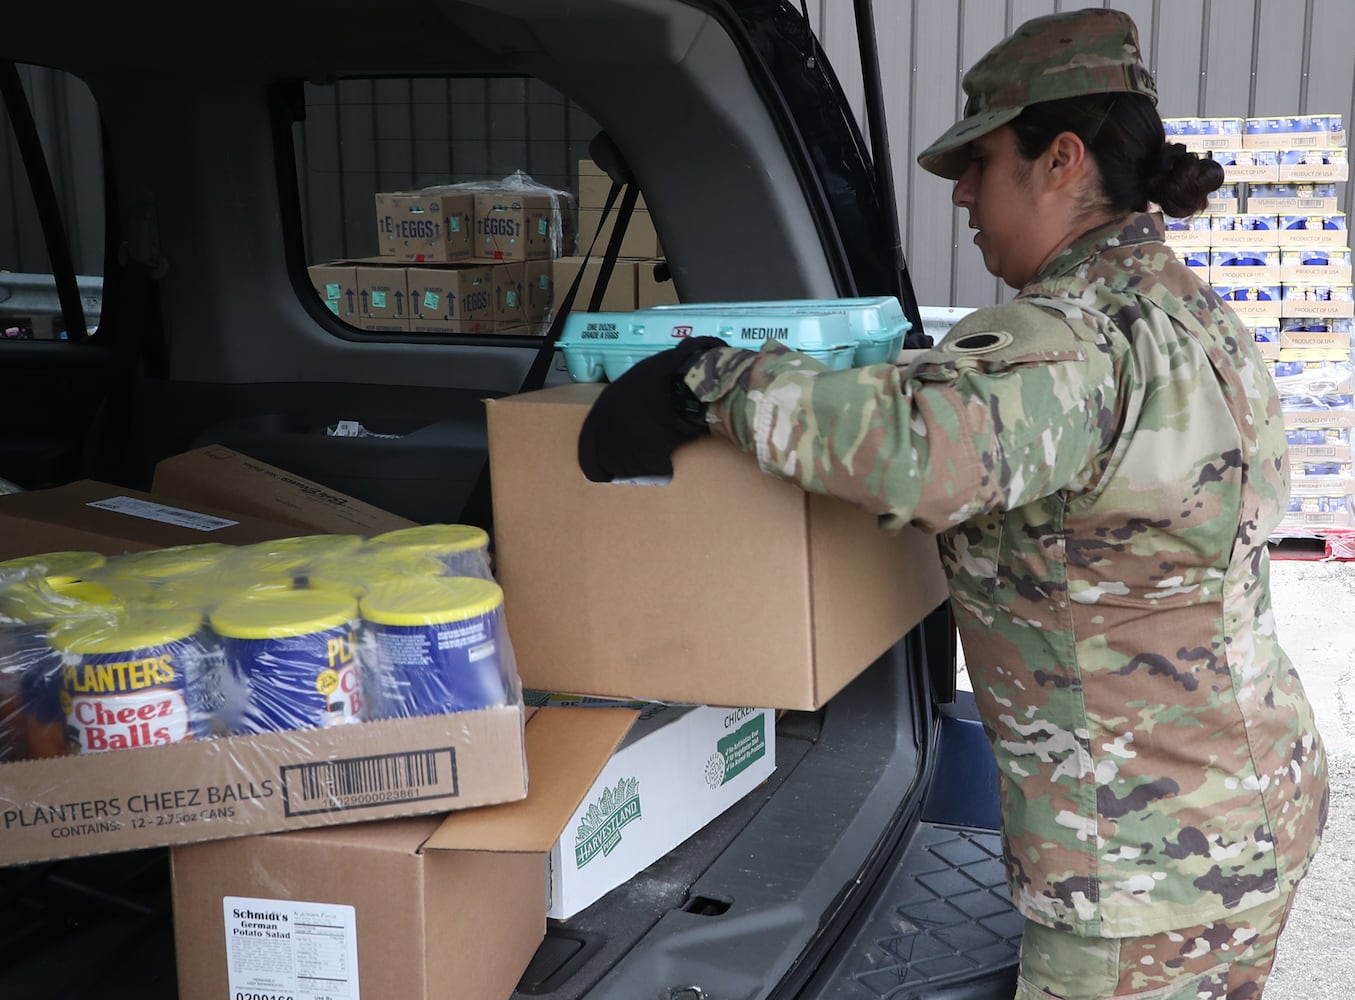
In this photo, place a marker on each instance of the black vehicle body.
(869, 865)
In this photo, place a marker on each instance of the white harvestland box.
(678, 768)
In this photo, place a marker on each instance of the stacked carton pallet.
(460, 258)
(638, 278)
(488, 257)
(1275, 245)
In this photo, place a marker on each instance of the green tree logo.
(599, 829)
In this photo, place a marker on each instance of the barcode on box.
(366, 782)
(149, 511)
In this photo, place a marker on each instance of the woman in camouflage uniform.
(1102, 461)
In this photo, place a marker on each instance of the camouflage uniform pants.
(1224, 960)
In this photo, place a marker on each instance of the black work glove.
(637, 421)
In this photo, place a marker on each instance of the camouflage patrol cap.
(1094, 51)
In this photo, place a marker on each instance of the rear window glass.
(61, 111)
(453, 207)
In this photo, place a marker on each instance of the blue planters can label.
(135, 682)
(463, 549)
(31, 610)
(436, 645)
(293, 656)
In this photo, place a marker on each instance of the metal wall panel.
(1216, 58)
(1211, 57)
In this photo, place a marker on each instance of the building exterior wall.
(1211, 58)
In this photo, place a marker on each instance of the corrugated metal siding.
(446, 131)
(1211, 58)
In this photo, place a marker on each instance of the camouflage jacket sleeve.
(1013, 405)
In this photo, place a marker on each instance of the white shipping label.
(283, 949)
(149, 511)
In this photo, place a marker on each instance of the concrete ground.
(1315, 614)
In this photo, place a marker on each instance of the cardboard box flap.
(393, 836)
(102, 517)
(566, 751)
(222, 477)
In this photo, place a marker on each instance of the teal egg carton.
(842, 333)
(604, 344)
(877, 322)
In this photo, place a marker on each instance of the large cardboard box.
(516, 225)
(383, 297)
(649, 290)
(453, 299)
(538, 293)
(416, 909)
(159, 795)
(594, 186)
(639, 240)
(620, 295)
(91, 516)
(724, 587)
(508, 309)
(679, 767)
(223, 477)
(425, 225)
(337, 285)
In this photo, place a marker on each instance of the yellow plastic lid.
(360, 571)
(129, 590)
(431, 602)
(206, 591)
(282, 614)
(158, 565)
(435, 537)
(137, 630)
(50, 599)
(358, 584)
(58, 563)
(284, 554)
(85, 591)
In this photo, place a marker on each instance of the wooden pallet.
(1315, 544)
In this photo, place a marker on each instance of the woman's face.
(1003, 199)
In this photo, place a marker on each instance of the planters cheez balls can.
(463, 549)
(135, 681)
(295, 654)
(39, 606)
(436, 645)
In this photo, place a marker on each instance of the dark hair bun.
(1181, 181)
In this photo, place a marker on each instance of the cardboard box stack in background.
(640, 241)
(633, 283)
(366, 292)
(456, 259)
(491, 258)
(1282, 259)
